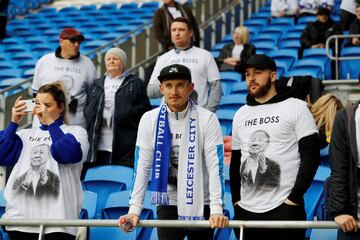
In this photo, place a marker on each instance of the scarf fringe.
(191, 218)
(160, 198)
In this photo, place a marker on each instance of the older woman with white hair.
(113, 110)
(237, 52)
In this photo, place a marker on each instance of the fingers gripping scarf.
(190, 192)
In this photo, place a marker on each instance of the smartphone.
(30, 104)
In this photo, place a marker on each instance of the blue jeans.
(348, 235)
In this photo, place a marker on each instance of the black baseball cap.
(175, 71)
(258, 61)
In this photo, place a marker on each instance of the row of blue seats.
(21, 7)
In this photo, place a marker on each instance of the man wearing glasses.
(66, 64)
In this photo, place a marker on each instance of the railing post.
(241, 232)
(41, 232)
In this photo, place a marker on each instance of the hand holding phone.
(30, 104)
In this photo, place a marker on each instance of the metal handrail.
(42, 223)
(337, 57)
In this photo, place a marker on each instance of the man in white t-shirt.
(204, 71)
(76, 71)
(181, 144)
(280, 133)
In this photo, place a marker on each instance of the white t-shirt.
(210, 133)
(77, 76)
(54, 192)
(237, 49)
(174, 12)
(288, 6)
(285, 123)
(111, 85)
(311, 6)
(202, 66)
(349, 6)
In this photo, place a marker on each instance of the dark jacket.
(162, 22)
(354, 29)
(131, 102)
(343, 158)
(309, 156)
(226, 52)
(317, 32)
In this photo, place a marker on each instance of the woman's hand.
(43, 114)
(17, 111)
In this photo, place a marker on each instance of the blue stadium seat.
(282, 67)
(314, 72)
(319, 54)
(3, 234)
(104, 180)
(290, 44)
(117, 205)
(88, 7)
(226, 117)
(7, 65)
(228, 79)
(215, 53)
(155, 102)
(310, 64)
(264, 47)
(89, 205)
(306, 19)
(349, 69)
(275, 31)
(261, 15)
(324, 156)
(240, 87)
(131, 5)
(297, 28)
(232, 102)
(268, 37)
(255, 22)
(284, 22)
(323, 234)
(227, 179)
(218, 46)
(150, 5)
(10, 73)
(108, 6)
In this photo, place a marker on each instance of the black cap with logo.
(175, 71)
(259, 61)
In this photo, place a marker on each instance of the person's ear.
(273, 76)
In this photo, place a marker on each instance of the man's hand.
(291, 203)
(262, 163)
(346, 222)
(218, 221)
(128, 222)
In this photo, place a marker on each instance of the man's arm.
(214, 95)
(309, 161)
(235, 179)
(214, 156)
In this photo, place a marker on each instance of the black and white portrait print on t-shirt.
(38, 181)
(174, 158)
(257, 170)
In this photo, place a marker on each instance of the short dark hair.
(183, 20)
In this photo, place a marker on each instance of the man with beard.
(293, 145)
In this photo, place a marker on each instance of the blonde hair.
(324, 110)
(57, 90)
(244, 32)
